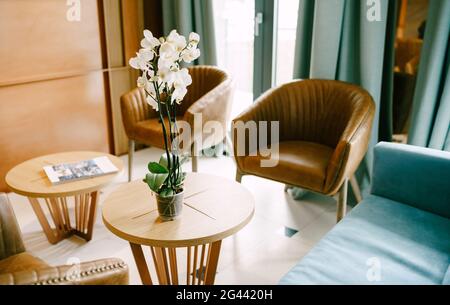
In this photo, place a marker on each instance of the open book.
(68, 172)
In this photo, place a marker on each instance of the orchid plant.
(165, 83)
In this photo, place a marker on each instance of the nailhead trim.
(66, 278)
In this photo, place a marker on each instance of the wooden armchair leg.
(194, 158)
(342, 201)
(356, 189)
(239, 176)
(130, 159)
(228, 145)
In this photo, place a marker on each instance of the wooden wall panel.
(61, 81)
(54, 87)
(37, 41)
(131, 33)
(126, 15)
(153, 17)
(120, 84)
(52, 116)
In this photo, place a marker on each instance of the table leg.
(141, 264)
(92, 215)
(213, 260)
(206, 271)
(161, 266)
(85, 214)
(202, 261)
(52, 238)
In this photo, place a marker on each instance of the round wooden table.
(29, 179)
(213, 209)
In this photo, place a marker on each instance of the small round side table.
(29, 179)
(214, 208)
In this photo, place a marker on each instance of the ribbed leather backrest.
(314, 110)
(134, 109)
(10, 236)
(204, 79)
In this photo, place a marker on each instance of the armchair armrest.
(351, 148)
(256, 112)
(100, 272)
(214, 106)
(413, 175)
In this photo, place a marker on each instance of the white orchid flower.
(164, 64)
(146, 55)
(194, 38)
(147, 84)
(152, 103)
(167, 53)
(189, 55)
(142, 81)
(142, 59)
(182, 78)
(179, 94)
(149, 42)
(177, 40)
(138, 64)
(166, 75)
(150, 88)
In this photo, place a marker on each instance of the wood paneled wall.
(61, 81)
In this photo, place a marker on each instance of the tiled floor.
(261, 253)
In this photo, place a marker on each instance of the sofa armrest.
(413, 175)
(101, 272)
(10, 236)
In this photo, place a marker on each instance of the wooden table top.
(29, 178)
(214, 208)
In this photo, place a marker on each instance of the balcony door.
(255, 44)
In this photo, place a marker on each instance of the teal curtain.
(430, 123)
(192, 16)
(336, 40)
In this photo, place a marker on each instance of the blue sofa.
(400, 234)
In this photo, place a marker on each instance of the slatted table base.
(201, 264)
(85, 206)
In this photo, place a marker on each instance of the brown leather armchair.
(18, 267)
(210, 94)
(325, 128)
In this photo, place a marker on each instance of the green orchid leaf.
(167, 192)
(181, 178)
(156, 168)
(155, 181)
(163, 160)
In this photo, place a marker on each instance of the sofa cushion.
(300, 163)
(401, 244)
(150, 131)
(20, 262)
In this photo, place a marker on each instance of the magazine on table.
(68, 172)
